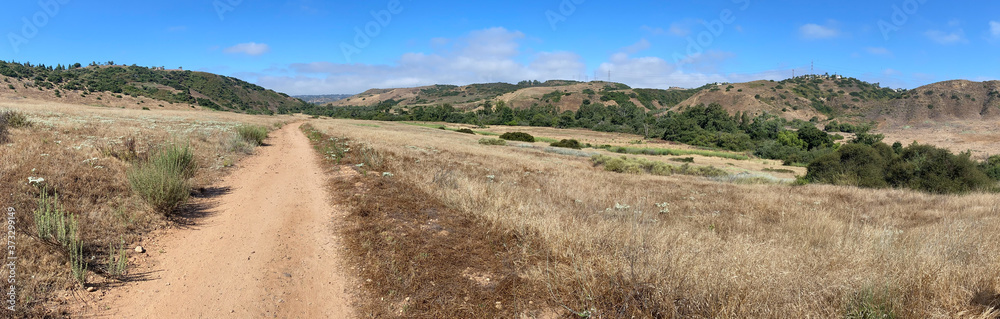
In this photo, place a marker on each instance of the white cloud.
(814, 31)
(250, 48)
(946, 38)
(652, 30)
(879, 51)
(491, 55)
(680, 29)
(995, 29)
(638, 46)
(496, 55)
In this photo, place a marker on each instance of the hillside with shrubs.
(108, 84)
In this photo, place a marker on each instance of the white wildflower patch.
(664, 207)
(35, 180)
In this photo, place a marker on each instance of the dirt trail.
(267, 248)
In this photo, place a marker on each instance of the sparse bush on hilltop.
(518, 136)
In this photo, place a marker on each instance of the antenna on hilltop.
(812, 67)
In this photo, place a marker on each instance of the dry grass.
(83, 154)
(612, 245)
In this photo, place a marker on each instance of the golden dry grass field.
(444, 226)
(609, 245)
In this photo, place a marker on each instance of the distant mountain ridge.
(322, 98)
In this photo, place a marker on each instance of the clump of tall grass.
(871, 303)
(55, 225)
(52, 222)
(492, 141)
(237, 144)
(163, 180)
(117, 261)
(11, 119)
(671, 152)
(640, 165)
(14, 119)
(371, 157)
(253, 134)
(78, 266)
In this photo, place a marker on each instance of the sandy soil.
(265, 247)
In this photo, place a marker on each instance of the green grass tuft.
(253, 134)
(163, 180)
(492, 141)
(671, 152)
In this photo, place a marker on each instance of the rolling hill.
(810, 97)
(135, 86)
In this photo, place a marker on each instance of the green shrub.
(492, 141)
(920, 167)
(574, 144)
(163, 180)
(683, 159)
(518, 136)
(466, 131)
(253, 134)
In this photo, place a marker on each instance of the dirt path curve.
(267, 249)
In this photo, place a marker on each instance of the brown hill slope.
(817, 97)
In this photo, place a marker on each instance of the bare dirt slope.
(267, 248)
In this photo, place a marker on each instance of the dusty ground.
(262, 245)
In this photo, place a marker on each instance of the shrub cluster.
(163, 179)
(253, 134)
(518, 136)
(920, 167)
(11, 119)
(640, 165)
(492, 141)
(466, 131)
(574, 144)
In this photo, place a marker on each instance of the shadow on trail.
(188, 215)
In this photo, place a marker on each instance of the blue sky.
(314, 47)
